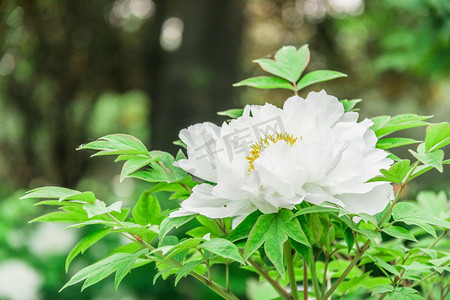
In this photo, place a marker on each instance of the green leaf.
(382, 289)
(412, 215)
(210, 224)
(70, 214)
(394, 142)
(180, 143)
(384, 125)
(243, 229)
(115, 144)
(315, 209)
(133, 164)
(434, 204)
(54, 192)
(266, 82)
(232, 113)
(404, 293)
(273, 230)
(318, 76)
(440, 261)
(437, 136)
(121, 263)
(382, 264)
(223, 248)
(169, 223)
(433, 159)
(162, 171)
(147, 210)
(100, 208)
(289, 62)
(397, 173)
(400, 233)
(369, 233)
(349, 105)
(422, 169)
(85, 243)
(186, 269)
(349, 239)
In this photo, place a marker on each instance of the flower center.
(266, 141)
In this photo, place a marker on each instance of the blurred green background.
(73, 71)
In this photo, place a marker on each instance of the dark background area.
(73, 71)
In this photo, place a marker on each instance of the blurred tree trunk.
(191, 84)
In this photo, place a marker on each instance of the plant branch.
(312, 268)
(305, 280)
(282, 292)
(218, 289)
(291, 272)
(347, 270)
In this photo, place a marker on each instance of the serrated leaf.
(115, 144)
(289, 63)
(437, 136)
(147, 210)
(100, 208)
(266, 82)
(121, 263)
(223, 248)
(389, 143)
(273, 230)
(186, 269)
(85, 243)
(318, 76)
(433, 159)
(400, 233)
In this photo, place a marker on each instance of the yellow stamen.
(256, 148)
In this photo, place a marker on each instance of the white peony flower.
(272, 158)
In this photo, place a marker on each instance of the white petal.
(203, 202)
(371, 202)
(203, 144)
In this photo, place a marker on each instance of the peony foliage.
(305, 197)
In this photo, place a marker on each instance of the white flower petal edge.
(272, 158)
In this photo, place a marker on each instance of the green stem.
(423, 279)
(347, 270)
(227, 276)
(282, 292)
(218, 289)
(305, 280)
(312, 268)
(325, 269)
(291, 272)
